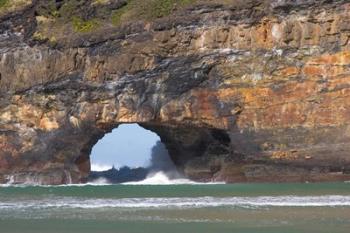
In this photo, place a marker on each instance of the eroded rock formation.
(240, 91)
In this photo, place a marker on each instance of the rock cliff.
(238, 90)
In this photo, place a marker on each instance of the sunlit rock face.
(241, 91)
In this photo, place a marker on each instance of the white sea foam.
(99, 181)
(168, 203)
(161, 178)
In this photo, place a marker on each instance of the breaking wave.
(161, 178)
(197, 202)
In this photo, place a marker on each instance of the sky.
(128, 145)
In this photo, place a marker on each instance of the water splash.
(99, 181)
(10, 179)
(161, 178)
(68, 177)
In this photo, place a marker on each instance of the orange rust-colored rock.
(248, 91)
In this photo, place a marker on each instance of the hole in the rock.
(131, 153)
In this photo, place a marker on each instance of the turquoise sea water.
(219, 208)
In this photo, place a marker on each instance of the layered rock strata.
(238, 91)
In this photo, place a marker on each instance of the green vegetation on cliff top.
(7, 6)
(3, 3)
(131, 11)
(147, 9)
(88, 16)
(58, 21)
(81, 25)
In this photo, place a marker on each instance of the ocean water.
(148, 208)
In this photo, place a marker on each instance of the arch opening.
(131, 153)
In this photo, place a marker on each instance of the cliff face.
(238, 91)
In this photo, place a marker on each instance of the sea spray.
(160, 178)
(162, 170)
(68, 177)
(99, 181)
(10, 179)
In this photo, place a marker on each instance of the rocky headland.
(116, 176)
(237, 90)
